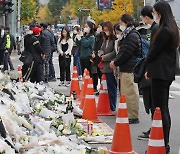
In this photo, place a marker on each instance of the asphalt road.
(145, 122)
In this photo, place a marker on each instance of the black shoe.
(96, 92)
(147, 133)
(134, 121)
(52, 80)
(144, 137)
(167, 149)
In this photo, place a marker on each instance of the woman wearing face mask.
(96, 72)
(87, 46)
(129, 50)
(161, 62)
(107, 49)
(64, 46)
(77, 34)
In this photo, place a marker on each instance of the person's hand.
(43, 56)
(6, 51)
(93, 55)
(146, 76)
(102, 57)
(115, 73)
(112, 65)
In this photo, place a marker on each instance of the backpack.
(145, 45)
(8, 41)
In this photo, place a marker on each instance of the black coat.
(161, 59)
(97, 46)
(147, 83)
(129, 50)
(49, 41)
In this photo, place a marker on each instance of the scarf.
(126, 32)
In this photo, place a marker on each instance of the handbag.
(101, 64)
(178, 61)
(26, 57)
(139, 71)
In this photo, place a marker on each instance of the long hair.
(68, 34)
(91, 26)
(110, 27)
(127, 19)
(167, 19)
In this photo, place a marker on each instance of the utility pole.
(19, 18)
(19, 27)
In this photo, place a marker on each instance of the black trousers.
(95, 77)
(160, 98)
(85, 63)
(64, 65)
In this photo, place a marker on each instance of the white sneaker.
(80, 78)
(61, 83)
(68, 84)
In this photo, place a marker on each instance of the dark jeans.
(112, 90)
(6, 55)
(64, 65)
(160, 98)
(46, 66)
(1, 57)
(85, 63)
(51, 67)
(77, 63)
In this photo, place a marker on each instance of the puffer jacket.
(49, 41)
(129, 51)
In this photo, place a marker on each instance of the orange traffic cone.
(89, 112)
(121, 143)
(20, 73)
(75, 83)
(156, 141)
(103, 108)
(86, 78)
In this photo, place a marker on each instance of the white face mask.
(107, 33)
(75, 31)
(118, 36)
(123, 28)
(99, 30)
(86, 30)
(156, 20)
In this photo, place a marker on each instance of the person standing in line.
(12, 47)
(48, 49)
(96, 72)
(2, 45)
(160, 62)
(64, 46)
(37, 74)
(52, 76)
(87, 46)
(129, 51)
(106, 54)
(145, 85)
(77, 35)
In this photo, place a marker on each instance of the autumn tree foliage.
(29, 10)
